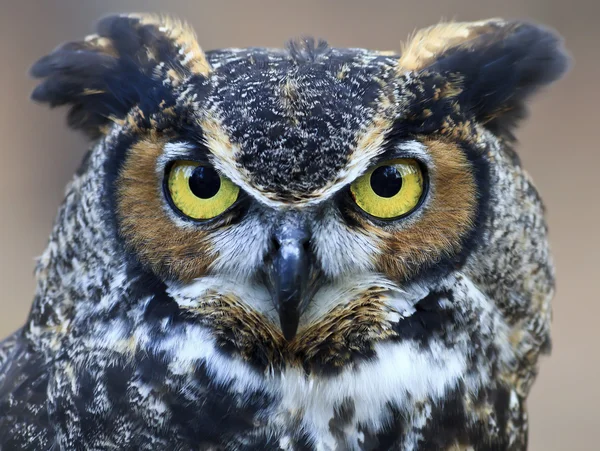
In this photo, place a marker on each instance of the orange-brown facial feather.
(330, 342)
(345, 331)
(443, 223)
(170, 250)
(238, 326)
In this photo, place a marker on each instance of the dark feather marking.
(501, 70)
(100, 83)
(24, 423)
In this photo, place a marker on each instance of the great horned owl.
(307, 248)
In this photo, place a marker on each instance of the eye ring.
(196, 191)
(400, 189)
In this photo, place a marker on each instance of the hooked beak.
(289, 273)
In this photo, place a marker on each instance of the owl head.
(305, 205)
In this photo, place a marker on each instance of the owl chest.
(154, 401)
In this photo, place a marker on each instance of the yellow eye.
(198, 190)
(389, 190)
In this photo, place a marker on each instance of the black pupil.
(386, 181)
(205, 182)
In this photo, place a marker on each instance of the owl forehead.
(294, 116)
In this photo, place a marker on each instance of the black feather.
(100, 83)
(501, 69)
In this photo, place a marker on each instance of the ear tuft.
(499, 65)
(428, 44)
(132, 60)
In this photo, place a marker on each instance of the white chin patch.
(253, 295)
(400, 301)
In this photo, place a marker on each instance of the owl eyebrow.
(411, 148)
(183, 150)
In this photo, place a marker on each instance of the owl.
(307, 248)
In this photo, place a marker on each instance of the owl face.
(272, 189)
(303, 204)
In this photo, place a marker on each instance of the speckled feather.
(150, 331)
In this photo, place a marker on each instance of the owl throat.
(341, 329)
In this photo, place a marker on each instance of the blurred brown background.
(558, 146)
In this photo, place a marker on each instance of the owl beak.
(289, 275)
